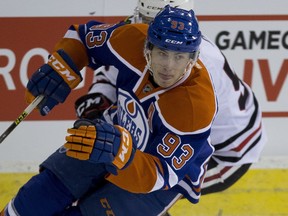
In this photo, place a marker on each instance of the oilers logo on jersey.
(132, 117)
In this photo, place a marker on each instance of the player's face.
(168, 66)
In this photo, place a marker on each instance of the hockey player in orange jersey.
(149, 149)
(237, 132)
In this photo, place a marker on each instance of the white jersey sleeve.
(104, 82)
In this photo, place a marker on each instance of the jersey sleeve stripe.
(246, 141)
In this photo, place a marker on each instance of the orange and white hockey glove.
(100, 142)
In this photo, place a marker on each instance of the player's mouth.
(165, 76)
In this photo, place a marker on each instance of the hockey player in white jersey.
(237, 132)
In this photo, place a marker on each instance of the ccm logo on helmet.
(154, 8)
(173, 41)
(158, 8)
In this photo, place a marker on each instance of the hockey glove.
(54, 80)
(100, 142)
(91, 106)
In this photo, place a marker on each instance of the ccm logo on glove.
(125, 148)
(54, 80)
(58, 64)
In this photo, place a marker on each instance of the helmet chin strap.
(188, 67)
(190, 64)
(147, 54)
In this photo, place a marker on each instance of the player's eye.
(163, 54)
(179, 57)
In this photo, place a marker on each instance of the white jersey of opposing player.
(237, 131)
(108, 74)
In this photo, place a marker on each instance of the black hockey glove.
(91, 106)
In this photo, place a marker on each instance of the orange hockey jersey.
(170, 127)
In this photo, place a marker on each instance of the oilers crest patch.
(132, 117)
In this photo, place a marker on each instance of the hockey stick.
(23, 115)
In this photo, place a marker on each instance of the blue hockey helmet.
(175, 29)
